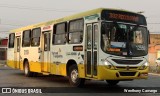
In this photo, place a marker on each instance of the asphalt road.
(60, 86)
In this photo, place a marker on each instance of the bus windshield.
(124, 39)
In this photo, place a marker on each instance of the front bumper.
(115, 74)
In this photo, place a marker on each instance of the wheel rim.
(26, 69)
(74, 75)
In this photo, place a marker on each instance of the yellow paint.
(81, 70)
(21, 65)
(35, 66)
(58, 69)
(103, 73)
(62, 69)
(15, 64)
(110, 74)
(45, 66)
(10, 63)
(53, 68)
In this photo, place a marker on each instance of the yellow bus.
(100, 44)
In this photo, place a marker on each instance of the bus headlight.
(108, 65)
(144, 66)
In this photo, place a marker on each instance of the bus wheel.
(112, 82)
(73, 77)
(27, 71)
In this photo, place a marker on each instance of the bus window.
(59, 36)
(95, 36)
(89, 32)
(47, 42)
(11, 40)
(18, 44)
(115, 39)
(26, 38)
(35, 41)
(76, 31)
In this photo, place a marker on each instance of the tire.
(73, 77)
(27, 71)
(112, 82)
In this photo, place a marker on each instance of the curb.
(156, 74)
(3, 65)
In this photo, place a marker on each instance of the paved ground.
(59, 85)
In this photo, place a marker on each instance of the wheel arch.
(70, 63)
(25, 59)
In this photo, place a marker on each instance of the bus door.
(17, 52)
(45, 51)
(91, 50)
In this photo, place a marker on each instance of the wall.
(4, 42)
(154, 47)
(3, 50)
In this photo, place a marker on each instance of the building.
(154, 48)
(3, 50)
(4, 42)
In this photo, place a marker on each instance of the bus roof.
(79, 15)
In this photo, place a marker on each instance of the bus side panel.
(32, 55)
(10, 58)
(58, 65)
(58, 69)
(61, 70)
(53, 68)
(81, 70)
(10, 63)
(61, 55)
(21, 65)
(35, 66)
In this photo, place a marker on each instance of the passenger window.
(11, 40)
(26, 38)
(35, 39)
(59, 35)
(75, 34)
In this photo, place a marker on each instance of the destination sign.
(123, 16)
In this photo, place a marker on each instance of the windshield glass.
(124, 39)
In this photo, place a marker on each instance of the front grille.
(128, 62)
(119, 67)
(127, 73)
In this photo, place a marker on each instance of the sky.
(18, 13)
